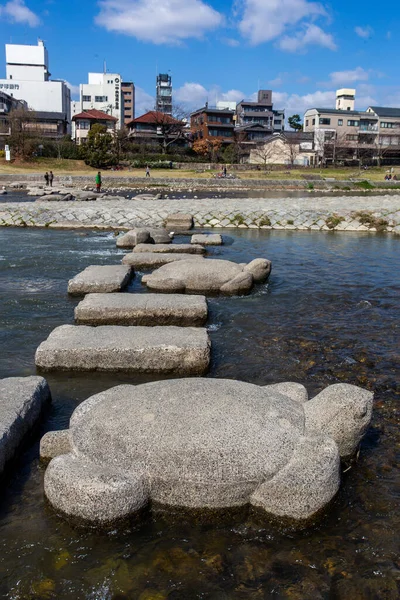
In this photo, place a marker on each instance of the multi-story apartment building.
(344, 134)
(128, 100)
(208, 123)
(28, 79)
(261, 113)
(103, 92)
(164, 93)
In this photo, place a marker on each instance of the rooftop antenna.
(104, 67)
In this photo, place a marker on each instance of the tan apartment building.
(342, 134)
(128, 101)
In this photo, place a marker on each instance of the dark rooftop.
(385, 111)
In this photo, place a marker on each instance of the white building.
(28, 78)
(102, 92)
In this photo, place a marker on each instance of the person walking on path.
(224, 170)
(147, 171)
(46, 178)
(51, 177)
(98, 182)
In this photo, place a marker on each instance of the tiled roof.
(154, 117)
(94, 115)
(385, 111)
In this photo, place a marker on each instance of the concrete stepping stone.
(211, 239)
(174, 248)
(153, 260)
(143, 236)
(100, 279)
(142, 309)
(21, 402)
(178, 221)
(165, 350)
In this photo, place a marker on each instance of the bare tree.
(23, 134)
(293, 149)
(265, 154)
(170, 128)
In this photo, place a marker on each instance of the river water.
(329, 313)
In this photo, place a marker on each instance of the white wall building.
(27, 78)
(102, 92)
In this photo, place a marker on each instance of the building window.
(351, 138)
(387, 125)
(313, 121)
(329, 135)
(340, 122)
(86, 98)
(352, 123)
(101, 98)
(306, 122)
(324, 121)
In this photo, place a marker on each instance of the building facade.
(345, 135)
(287, 148)
(128, 100)
(103, 93)
(28, 79)
(261, 112)
(158, 128)
(164, 93)
(209, 122)
(84, 121)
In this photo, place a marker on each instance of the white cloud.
(311, 35)
(297, 104)
(194, 95)
(159, 21)
(342, 77)
(266, 20)
(16, 11)
(74, 89)
(364, 32)
(230, 42)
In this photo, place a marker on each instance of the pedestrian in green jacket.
(98, 182)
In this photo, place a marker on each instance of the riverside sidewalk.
(311, 212)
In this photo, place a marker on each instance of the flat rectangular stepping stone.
(21, 402)
(142, 309)
(166, 350)
(143, 236)
(178, 221)
(171, 248)
(153, 260)
(211, 239)
(100, 279)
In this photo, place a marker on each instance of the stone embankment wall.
(379, 213)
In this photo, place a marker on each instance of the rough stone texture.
(142, 309)
(211, 276)
(260, 268)
(100, 279)
(211, 239)
(343, 412)
(293, 390)
(54, 443)
(153, 260)
(143, 236)
(171, 248)
(179, 221)
(198, 443)
(21, 402)
(168, 350)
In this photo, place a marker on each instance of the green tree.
(99, 149)
(23, 138)
(295, 122)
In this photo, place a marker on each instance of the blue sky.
(221, 49)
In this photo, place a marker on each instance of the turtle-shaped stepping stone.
(204, 443)
(210, 276)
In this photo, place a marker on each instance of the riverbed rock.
(166, 350)
(178, 221)
(22, 400)
(154, 260)
(174, 248)
(211, 276)
(100, 279)
(54, 443)
(142, 309)
(207, 239)
(143, 236)
(195, 443)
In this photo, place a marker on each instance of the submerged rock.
(199, 444)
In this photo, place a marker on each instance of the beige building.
(343, 134)
(286, 148)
